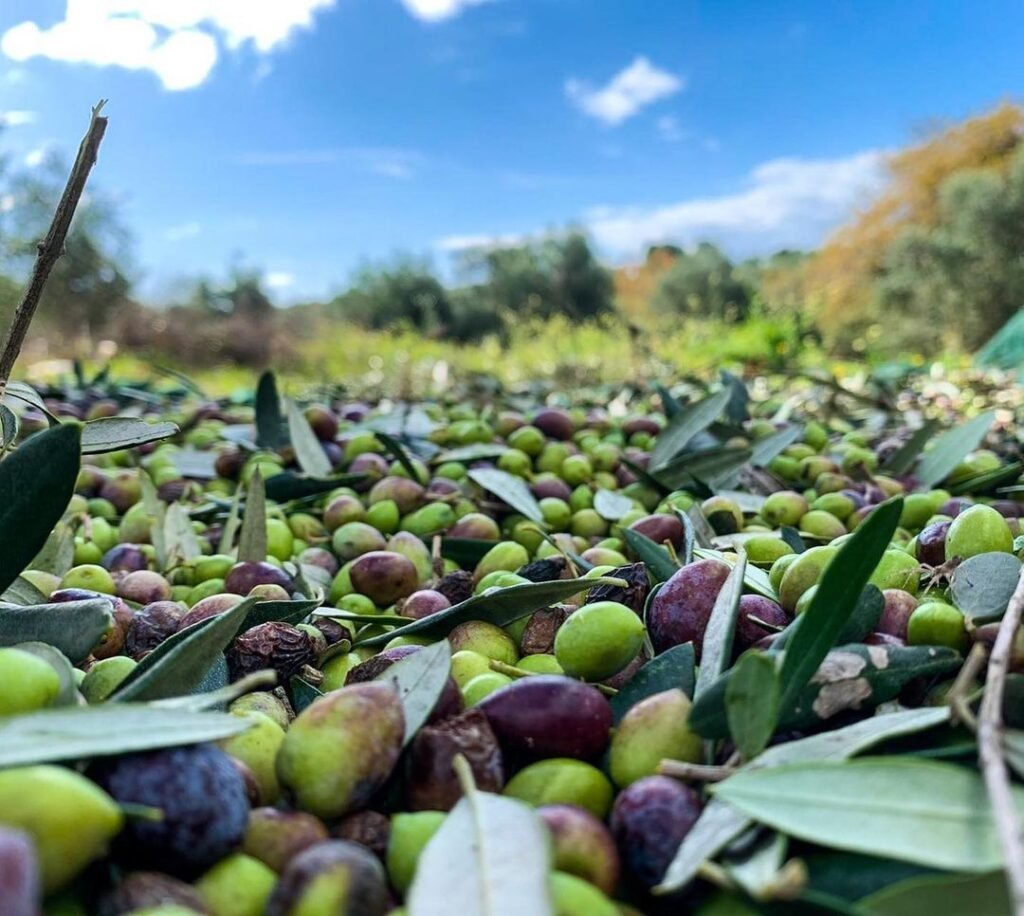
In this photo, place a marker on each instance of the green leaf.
(902, 460)
(28, 395)
(656, 558)
(757, 873)
(756, 580)
(196, 465)
(851, 876)
(719, 824)
(739, 399)
(155, 511)
(752, 702)
(74, 627)
(951, 448)
(717, 647)
(835, 599)
(292, 612)
(989, 481)
(111, 434)
(864, 619)
(510, 490)
(922, 811)
(774, 445)
(467, 552)
(252, 541)
(979, 895)
(58, 553)
(36, 484)
(288, 485)
(611, 506)
(302, 694)
(792, 537)
(180, 539)
(227, 538)
(714, 467)
(490, 857)
(689, 538)
(179, 664)
(673, 668)
(982, 585)
(500, 607)
(692, 419)
(420, 678)
(398, 452)
(703, 533)
(669, 404)
(270, 428)
(644, 477)
(9, 426)
(476, 451)
(309, 453)
(23, 593)
(110, 729)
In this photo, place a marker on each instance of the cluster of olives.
(325, 808)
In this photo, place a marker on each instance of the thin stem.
(695, 772)
(512, 671)
(990, 749)
(959, 694)
(52, 247)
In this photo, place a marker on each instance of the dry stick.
(696, 772)
(990, 749)
(52, 247)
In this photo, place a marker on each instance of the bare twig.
(52, 247)
(959, 696)
(694, 772)
(990, 750)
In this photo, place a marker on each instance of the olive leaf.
(902, 460)
(719, 824)
(155, 512)
(925, 895)
(716, 650)
(792, 537)
(610, 505)
(73, 627)
(708, 468)
(227, 537)
(252, 541)
(180, 540)
(467, 552)
(752, 702)
(270, 427)
(110, 729)
(179, 664)
(490, 857)
(511, 490)
(982, 585)
(988, 481)
(58, 553)
(949, 449)
(500, 607)
(669, 404)
(111, 434)
(476, 451)
(398, 452)
(36, 484)
(703, 533)
(691, 420)
(309, 453)
(288, 485)
(656, 558)
(420, 679)
(756, 580)
(196, 465)
(672, 669)
(28, 395)
(835, 599)
(758, 872)
(302, 694)
(292, 612)
(922, 811)
(23, 593)
(9, 426)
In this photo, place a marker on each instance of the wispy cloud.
(457, 243)
(36, 156)
(176, 40)
(17, 118)
(182, 231)
(438, 10)
(390, 162)
(625, 94)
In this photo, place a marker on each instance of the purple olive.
(554, 423)
(244, 576)
(208, 607)
(660, 528)
(748, 629)
(931, 543)
(319, 557)
(899, 605)
(548, 715)
(124, 558)
(953, 507)
(407, 494)
(151, 625)
(582, 845)
(423, 603)
(144, 587)
(680, 611)
(545, 486)
(384, 576)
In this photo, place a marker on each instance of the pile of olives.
(323, 807)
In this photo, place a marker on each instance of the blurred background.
(389, 193)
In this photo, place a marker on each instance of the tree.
(404, 292)
(703, 284)
(841, 276)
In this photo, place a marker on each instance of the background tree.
(703, 283)
(403, 292)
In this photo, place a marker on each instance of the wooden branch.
(990, 750)
(52, 247)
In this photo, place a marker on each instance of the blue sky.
(313, 135)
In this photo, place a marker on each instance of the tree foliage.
(703, 283)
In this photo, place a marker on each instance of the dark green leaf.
(704, 534)
(656, 558)
(110, 729)
(669, 404)
(611, 506)
(739, 398)
(511, 490)
(58, 553)
(672, 669)
(501, 607)
(851, 876)
(227, 538)
(693, 418)
(987, 482)
(292, 612)
(28, 395)
(36, 484)
(951, 448)
(792, 537)
(270, 427)
(982, 585)
(716, 650)
(1013, 750)
(309, 453)
(774, 445)
(398, 452)
(252, 541)
(979, 895)
(216, 679)
(902, 460)
(467, 552)
(835, 599)
(179, 664)
(8, 427)
(473, 452)
(752, 702)
(74, 627)
(713, 467)
(302, 694)
(922, 811)
(288, 485)
(864, 619)
(644, 477)
(112, 434)
(420, 678)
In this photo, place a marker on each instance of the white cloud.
(279, 279)
(457, 243)
(182, 231)
(789, 202)
(437, 10)
(630, 90)
(37, 156)
(174, 39)
(390, 162)
(17, 118)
